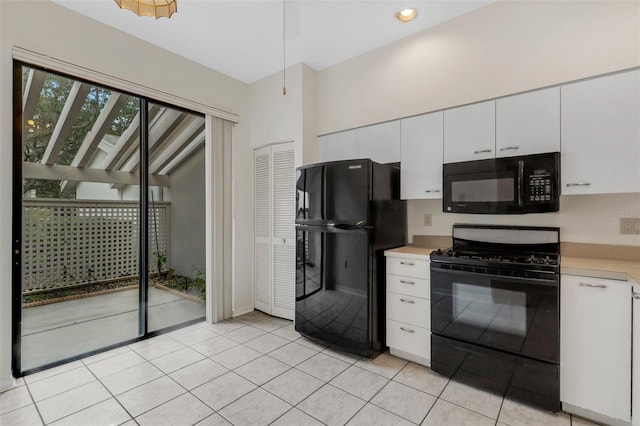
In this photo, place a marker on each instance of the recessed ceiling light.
(406, 15)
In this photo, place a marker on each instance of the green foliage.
(161, 259)
(36, 136)
(200, 280)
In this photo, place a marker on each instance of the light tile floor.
(253, 370)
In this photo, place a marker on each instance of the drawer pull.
(407, 282)
(579, 184)
(408, 301)
(432, 190)
(593, 285)
(407, 263)
(482, 151)
(407, 330)
(509, 148)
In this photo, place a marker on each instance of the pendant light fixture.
(284, 51)
(154, 8)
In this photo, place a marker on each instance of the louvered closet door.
(284, 248)
(262, 223)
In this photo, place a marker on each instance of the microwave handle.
(520, 183)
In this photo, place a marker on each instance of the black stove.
(495, 320)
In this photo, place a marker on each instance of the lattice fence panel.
(67, 243)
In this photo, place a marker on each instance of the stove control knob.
(439, 252)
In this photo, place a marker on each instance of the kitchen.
(462, 62)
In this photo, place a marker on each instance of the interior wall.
(500, 49)
(582, 218)
(187, 196)
(49, 29)
(277, 118)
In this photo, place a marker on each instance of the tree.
(37, 134)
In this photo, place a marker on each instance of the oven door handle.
(534, 281)
(520, 186)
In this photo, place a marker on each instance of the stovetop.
(546, 262)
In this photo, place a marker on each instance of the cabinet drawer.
(408, 267)
(409, 338)
(410, 286)
(409, 310)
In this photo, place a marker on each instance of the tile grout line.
(33, 401)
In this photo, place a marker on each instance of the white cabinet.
(528, 123)
(380, 142)
(470, 132)
(635, 379)
(409, 307)
(421, 145)
(338, 146)
(274, 237)
(601, 135)
(595, 346)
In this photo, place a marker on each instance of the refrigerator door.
(310, 195)
(333, 286)
(347, 192)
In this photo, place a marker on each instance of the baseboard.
(593, 416)
(241, 311)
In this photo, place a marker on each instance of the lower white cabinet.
(595, 347)
(409, 307)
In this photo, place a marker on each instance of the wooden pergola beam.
(193, 146)
(76, 174)
(128, 142)
(176, 142)
(31, 94)
(70, 111)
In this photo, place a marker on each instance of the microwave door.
(483, 192)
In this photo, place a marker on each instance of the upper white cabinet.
(601, 135)
(380, 142)
(338, 146)
(470, 132)
(595, 346)
(421, 156)
(528, 123)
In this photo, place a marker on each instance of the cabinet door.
(338, 146)
(284, 234)
(470, 132)
(528, 123)
(595, 345)
(421, 156)
(380, 142)
(601, 134)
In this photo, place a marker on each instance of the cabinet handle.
(407, 282)
(579, 184)
(432, 190)
(593, 285)
(407, 263)
(408, 301)
(482, 151)
(507, 148)
(407, 330)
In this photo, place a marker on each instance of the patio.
(51, 332)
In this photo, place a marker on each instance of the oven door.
(485, 186)
(512, 314)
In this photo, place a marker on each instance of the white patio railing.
(69, 242)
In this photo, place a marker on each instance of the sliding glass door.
(93, 217)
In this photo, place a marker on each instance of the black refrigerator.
(347, 213)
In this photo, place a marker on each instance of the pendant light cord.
(284, 69)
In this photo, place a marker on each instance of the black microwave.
(509, 185)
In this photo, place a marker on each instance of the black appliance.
(348, 213)
(495, 319)
(509, 185)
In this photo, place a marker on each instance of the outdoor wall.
(187, 196)
(49, 29)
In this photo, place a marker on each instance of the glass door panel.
(176, 217)
(80, 220)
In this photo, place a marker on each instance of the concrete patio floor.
(61, 330)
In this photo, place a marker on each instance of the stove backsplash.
(582, 218)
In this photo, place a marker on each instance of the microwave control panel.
(540, 187)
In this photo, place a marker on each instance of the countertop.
(622, 270)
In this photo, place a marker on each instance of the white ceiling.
(244, 39)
